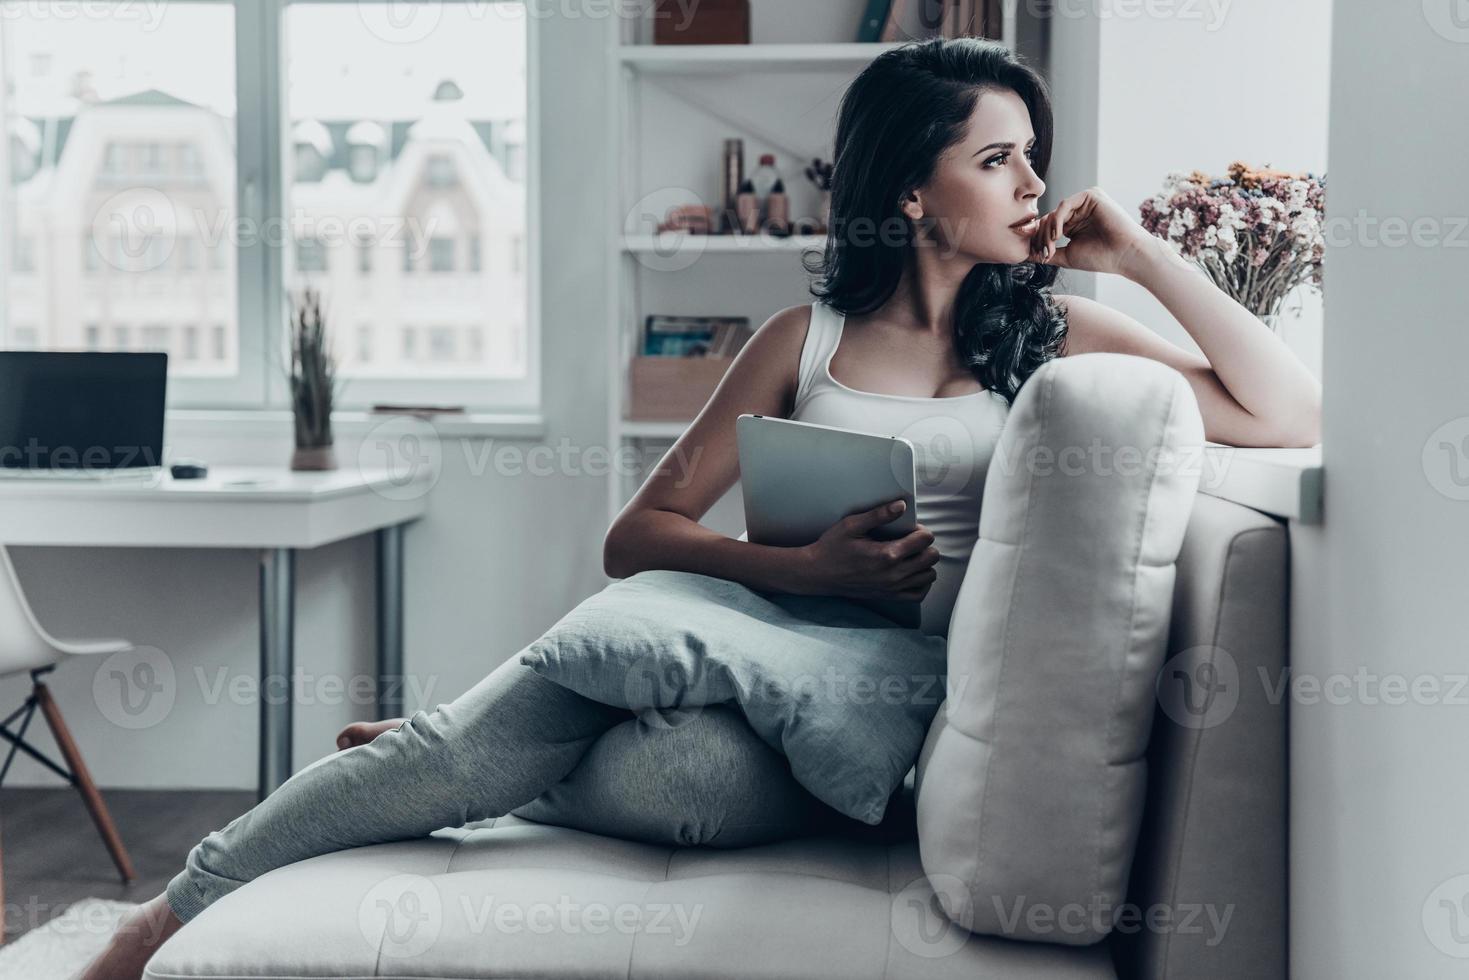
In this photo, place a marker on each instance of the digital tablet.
(800, 478)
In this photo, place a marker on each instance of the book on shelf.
(873, 18)
(920, 20)
(694, 336)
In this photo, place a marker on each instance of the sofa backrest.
(1207, 895)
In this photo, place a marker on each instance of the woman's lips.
(1027, 227)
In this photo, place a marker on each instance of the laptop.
(81, 414)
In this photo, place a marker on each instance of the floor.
(53, 855)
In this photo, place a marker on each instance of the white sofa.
(513, 898)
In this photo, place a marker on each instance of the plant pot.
(314, 458)
(824, 211)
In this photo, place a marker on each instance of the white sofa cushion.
(1031, 781)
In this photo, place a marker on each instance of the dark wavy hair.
(896, 119)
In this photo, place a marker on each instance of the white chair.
(26, 646)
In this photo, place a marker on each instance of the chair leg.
(93, 799)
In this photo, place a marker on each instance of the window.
(144, 125)
(155, 337)
(442, 345)
(23, 259)
(416, 132)
(129, 160)
(310, 255)
(441, 254)
(440, 172)
(188, 254)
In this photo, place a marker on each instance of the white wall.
(1197, 86)
(1380, 790)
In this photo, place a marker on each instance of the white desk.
(273, 510)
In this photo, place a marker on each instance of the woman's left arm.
(1272, 399)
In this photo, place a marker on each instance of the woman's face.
(984, 185)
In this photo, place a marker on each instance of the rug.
(60, 948)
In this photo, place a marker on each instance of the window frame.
(263, 270)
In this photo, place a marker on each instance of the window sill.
(266, 422)
(1286, 483)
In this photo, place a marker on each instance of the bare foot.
(138, 937)
(362, 732)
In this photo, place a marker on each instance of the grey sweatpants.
(493, 749)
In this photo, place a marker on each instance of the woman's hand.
(1103, 237)
(846, 561)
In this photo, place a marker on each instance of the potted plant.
(313, 384)
(1257, 233)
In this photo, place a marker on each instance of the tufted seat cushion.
(511, 898)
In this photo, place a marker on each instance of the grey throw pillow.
(843, 693)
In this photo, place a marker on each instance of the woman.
(934, 308)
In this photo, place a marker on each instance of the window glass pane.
(407, 165)
(120, 120)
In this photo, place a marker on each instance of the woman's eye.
(1002, 158)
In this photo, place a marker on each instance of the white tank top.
(953, 441)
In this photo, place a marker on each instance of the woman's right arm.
(659, 527)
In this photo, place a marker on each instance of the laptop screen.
(81, 410)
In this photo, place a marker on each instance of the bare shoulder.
(774, 350)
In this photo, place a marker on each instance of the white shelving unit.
(671, 108)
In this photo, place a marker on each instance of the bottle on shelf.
(747, 208)
(778, 211)
(764, 179)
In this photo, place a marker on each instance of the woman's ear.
(912, 206)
